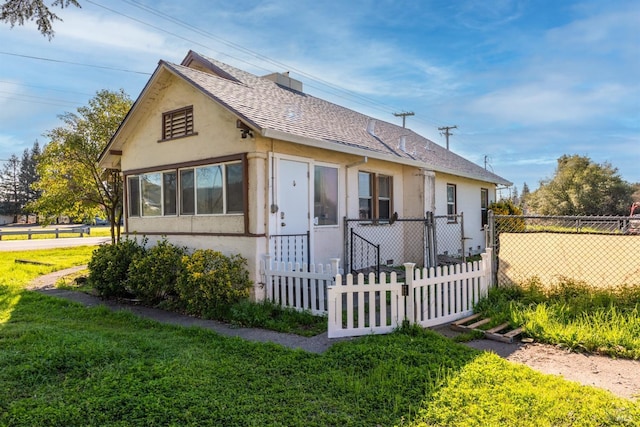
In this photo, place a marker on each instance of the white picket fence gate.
(428, 297)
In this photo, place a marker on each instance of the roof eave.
(318, 143)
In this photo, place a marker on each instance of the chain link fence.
(601, 251)
(375, 246)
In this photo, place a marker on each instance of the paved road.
(35, 244)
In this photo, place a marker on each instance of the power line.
(40, 58)
(9, 82)
(334, 89)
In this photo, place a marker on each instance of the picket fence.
(427, 297)
(299, 286)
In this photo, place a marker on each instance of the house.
(216, 157)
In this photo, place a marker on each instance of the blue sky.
(524, 81)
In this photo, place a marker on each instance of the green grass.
(65, 364)
(95, 232)
(572, 314)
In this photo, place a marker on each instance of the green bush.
(109, 266)
(508, 225)
(210, 282)
(153, 273)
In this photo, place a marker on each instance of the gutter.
(318, 143)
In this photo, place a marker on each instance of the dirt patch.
(619, 376)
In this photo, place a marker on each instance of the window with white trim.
(212, 190)
(452, 205)
(152, 194)
(216, 189)
(484, 206)
(325, 195)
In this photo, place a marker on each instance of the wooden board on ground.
(472, 323)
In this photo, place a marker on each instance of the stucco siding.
(215, 127)
(187, 224)
(468, 203)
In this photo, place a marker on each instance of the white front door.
(293, 197)
(291, 242)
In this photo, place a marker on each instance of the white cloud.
(85, 28)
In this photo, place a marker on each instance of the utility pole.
(446, 132)
(404, 116)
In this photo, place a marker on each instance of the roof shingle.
(265, 105)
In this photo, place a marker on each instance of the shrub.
(210, 282)
(153, 274)
(508, 225)
(109, 266)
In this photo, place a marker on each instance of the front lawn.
(64, 364)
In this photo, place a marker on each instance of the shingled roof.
(276, 111)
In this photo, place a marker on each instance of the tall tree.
(19, 11)
(70, 180)
(515, 198)
(524, 197)
(10, 188)
(582, 187)
(29, 176)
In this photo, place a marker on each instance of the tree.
(515, 198)
(10, 188)
(582, 187)
(18, 11)
(70, 180)
(29, 176)
(524, 196)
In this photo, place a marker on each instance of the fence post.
(268, 266)
(487, 265)
(408, 278)
(334, 309)
(335, 265)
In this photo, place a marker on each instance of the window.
(177, 123)
(134, 195)
(384, 197)
(451, 202)
(375, 196)
(204, 190)
(209, 190)
(325, 195)
(187, 193)
(213, 189)
(170, 195)
(152, 194)
(484, 206)
(365, 195)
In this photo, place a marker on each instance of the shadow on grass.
(66, 364)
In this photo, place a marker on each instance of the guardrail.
(57, 231)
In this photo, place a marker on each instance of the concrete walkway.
(316, 344)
